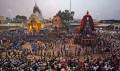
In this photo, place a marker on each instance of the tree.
(66, 16)
(20, 19)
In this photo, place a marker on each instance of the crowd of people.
(111, 63)
(57, 54)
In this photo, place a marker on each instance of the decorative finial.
(35, 3)
(87, 12)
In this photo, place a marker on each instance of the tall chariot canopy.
(35, 23)
(87, 23)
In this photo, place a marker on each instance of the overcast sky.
(99, 9)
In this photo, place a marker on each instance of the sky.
(99, 9)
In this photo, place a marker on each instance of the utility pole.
(70, 5)
(70, 14)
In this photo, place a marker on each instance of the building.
(115, 27)
(2, 19)
(109, 21)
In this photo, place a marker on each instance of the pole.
(69, 19)
(35, 2)
(70, 5)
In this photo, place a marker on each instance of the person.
(59, 67)
(63, 69)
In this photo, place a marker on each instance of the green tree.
(20, 19)
(66, 16)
